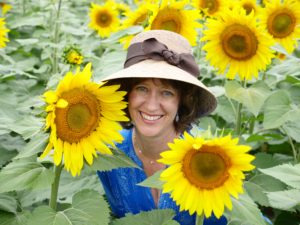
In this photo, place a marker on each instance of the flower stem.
(238, 124)
(56, 37)
(292, 146)
(200, 219)
(54, 187)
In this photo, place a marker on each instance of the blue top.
(124, 196)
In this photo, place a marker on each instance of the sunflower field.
(59, 124)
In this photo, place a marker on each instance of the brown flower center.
(281, 23)
(239, 42)
(79, 118)
(211, 5)
(248, 8)
(103, 19)
(167, 20)
(208, 168)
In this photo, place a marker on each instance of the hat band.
(153, 49)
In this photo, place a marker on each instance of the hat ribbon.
(153, 49)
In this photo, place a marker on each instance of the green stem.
(238, 125)
(251, 127)
(23, 7)
(199, 220)
(292, 145)
(54, 187)
(56, 39)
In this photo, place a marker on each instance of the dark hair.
(190, 104)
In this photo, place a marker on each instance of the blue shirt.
(124, 196)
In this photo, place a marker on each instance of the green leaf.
(257, 193)
(106, 162)
(278, 109)
(285, 200)
(287, 173)
(88, 208)
(252, 98)
(13, 219)
(293, 129)
(225, 109)
(244, 212)
(34, 146)
(264, 160)
(25, 174)
(157, 217)
(153, 181)
(8, 203)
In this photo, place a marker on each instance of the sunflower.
(5, 7)
(282, 21)
(3, 32)
(104, 18)
(202, 174)
(138, 17)
(83, 118)
(72, 55)
(235, 43)
(210, 7)
(173, 16)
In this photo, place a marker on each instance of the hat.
(166, 55)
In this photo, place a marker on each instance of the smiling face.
(153, 106)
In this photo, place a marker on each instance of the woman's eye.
(167, 93)
(141, 89)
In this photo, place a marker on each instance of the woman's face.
(153, 106)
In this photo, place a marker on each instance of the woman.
(164, 99)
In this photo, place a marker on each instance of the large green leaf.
(106, 162)
(279, 109)
(292, 128)
(157, 217)
(244, 212)
(252, 98)
(8, 203)
(25, 174)
(286, 173)
(285, 200)
(13, 219)
(153, 181)
(88, 207)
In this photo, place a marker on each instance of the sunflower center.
(281, 23)
(140, 20)
(239, 42)
(207, 168)
(103, 19)
(79, 118)
(167, 20)
(248, 8)
(211, 5)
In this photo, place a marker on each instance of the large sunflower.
(3, 33)
(202, 174)
(236, 44)
(83, 118)
(104, 18)
(173, 16)
(282, 21)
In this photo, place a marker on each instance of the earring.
(177, 118)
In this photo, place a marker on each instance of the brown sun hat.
(166, 55)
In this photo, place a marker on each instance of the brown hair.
(189, 105)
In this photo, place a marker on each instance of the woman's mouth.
(150, 118)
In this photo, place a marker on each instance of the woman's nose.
(152, 101)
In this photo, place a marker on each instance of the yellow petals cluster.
(83, 119)
(3, 33)
(203, 174)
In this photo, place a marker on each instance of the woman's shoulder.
(126, 144)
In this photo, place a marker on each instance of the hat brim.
(161, 69)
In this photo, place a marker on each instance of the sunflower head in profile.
(83, 119)
(138, 17)
(104, 18)
(3, 33)
(282, 20)
(72, 55)
(237, 45)
(173, 16)
(203, 174)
